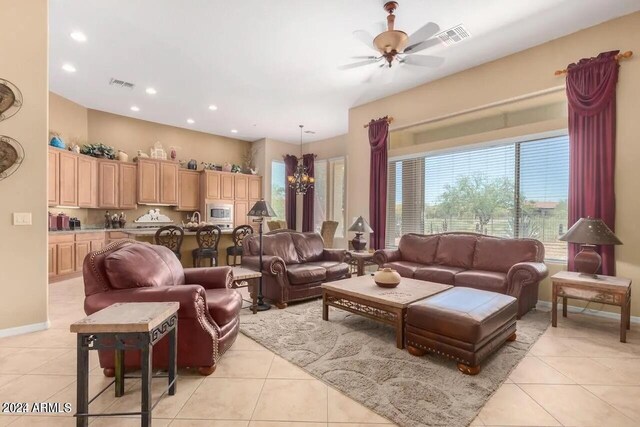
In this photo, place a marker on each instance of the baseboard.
(19, 330)
(591, 312)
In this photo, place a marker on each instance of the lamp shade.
(360, 225)
(590, 231)
(262, 209)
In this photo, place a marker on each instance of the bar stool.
(171, 237)
(207, 238)
(238, 235)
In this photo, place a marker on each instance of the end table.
(603, 289)
(360, 260)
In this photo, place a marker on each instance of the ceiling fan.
(395, 45)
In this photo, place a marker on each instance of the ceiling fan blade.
(358, 64)
(421, 46)
(423, 61)
(374, 74)
(365, 37)
(423, 33)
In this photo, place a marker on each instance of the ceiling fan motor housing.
(391, 42)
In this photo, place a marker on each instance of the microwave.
(220, 214)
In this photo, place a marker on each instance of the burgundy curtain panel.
(591, 91)
(307, 200)
(290, 163)
(378, 139)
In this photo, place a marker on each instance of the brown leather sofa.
(208, 318)
(294, 264)
(508, 266)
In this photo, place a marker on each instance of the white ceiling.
(270, 65)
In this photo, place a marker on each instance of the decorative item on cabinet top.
(99, 150)
(157, 152)
(11, 156)
(56, 141)
(10, 99)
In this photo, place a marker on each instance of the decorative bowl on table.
(387, 278)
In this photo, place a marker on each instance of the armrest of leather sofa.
(523, 274)
(209, 277)
(273, 265)
(383, 256)
(189, 297)
(338, 255)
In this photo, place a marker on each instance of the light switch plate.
(22, 218)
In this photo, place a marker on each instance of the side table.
(126, 326)
(603, 289)
(243, 278)
(360, 260)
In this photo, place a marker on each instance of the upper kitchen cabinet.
(255, 187)
(227, 186)
(108, 184)
(188, 190)
(241, 187)
(54, 177)
(211, 184)
(157, 182)
(87, 182)
(68, 176)
(127, 186)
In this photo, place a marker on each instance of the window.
(329, 192)
(509, 190)
(277, 188)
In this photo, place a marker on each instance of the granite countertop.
(131, 231)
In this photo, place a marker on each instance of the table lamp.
(360, 226)
(261, 210)
(589, 232)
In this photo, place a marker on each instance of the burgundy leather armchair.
(208, 318)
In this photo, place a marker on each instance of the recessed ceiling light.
(151, 91)
(135, 108)
(234, 130)
(78, 36)
(69, 68)
(212, 107)
(191, 121)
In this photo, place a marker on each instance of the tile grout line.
(264, 381)
(539, 404)
(605, 402)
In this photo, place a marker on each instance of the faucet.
(193, 217)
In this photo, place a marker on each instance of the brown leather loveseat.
(508, 266)
(208, 318)
(294, 264)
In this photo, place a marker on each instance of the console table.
(126, 326)
(603, 289)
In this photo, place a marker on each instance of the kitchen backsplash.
(95, 217)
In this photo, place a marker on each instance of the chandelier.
(300, 180)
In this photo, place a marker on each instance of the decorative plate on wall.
(10, 99)
(11, 156)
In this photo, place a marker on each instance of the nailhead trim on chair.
(433, 350)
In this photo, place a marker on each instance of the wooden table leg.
(147, 371)
(82, 392)
(624, 314)
(400, 328)
(173, 359)
(554, 306)
(325, 307)
(629, 310)
(119, 368)
(360, 267)
(564, 306)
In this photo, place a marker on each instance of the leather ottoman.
(464, 324)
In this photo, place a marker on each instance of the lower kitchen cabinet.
(67, 252)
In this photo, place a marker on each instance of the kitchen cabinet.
(240, 209)
(97, 244)
(53, 259)
(255, 187)
(188, 190)
(53, 182)
(87, 182)
(127, 188)
(68, 178)
(241, 187)
(169, 183)
(211, 181)
(65, 254)
(157, 182)
(108, 174)
(82, 249)
(227, 186)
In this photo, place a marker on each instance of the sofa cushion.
(280, 244)
(437, 273)
(335, 270)
(309, 246)
(223, 304)
(301, 274)
(405, 268)
(456, 250)
(468, 315)
(481, 279)
(418, 248)
(495, 254)
(138, 266)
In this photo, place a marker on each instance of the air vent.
(310, 132)
(121, 83)
(453, 35)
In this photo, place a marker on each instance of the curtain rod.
(624, 55)
(389, 120)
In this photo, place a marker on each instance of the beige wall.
(517, 75)
(68, 119)
(23, 249)
(328, 148)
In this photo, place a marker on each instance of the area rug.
(358, 356)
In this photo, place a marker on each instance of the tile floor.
(578, 374)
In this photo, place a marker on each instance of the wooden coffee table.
(360, 295)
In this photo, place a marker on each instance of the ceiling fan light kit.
(391, 42)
